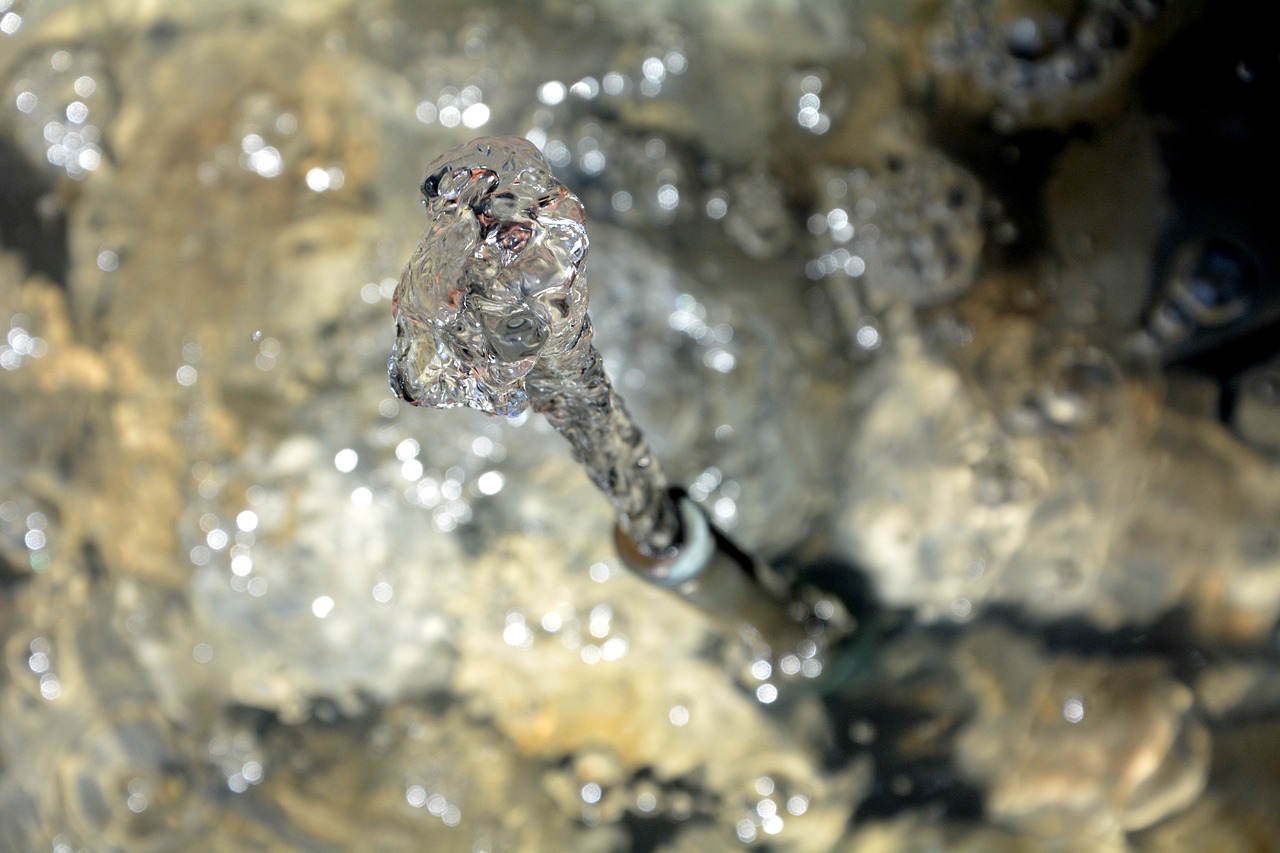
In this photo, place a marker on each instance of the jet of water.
(491, 313)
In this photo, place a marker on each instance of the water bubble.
(266, 162)
(668, 196)
(1212, 282)
(1081, 388)
(867, 337)
(646, 801)
(89, 158)
(490, 483)
(717, 206)
(517, 634)
(345, 460)
(50, 686)
(587, 88)
(614, 83)
(476, 115)
(553, 92)
(317, 179)
(614, 648)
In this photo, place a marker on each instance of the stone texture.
(1062, 742)
(249, 603)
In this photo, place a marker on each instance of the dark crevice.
(1213, 91)
(26, 226)
(11, 574)
(94, 564)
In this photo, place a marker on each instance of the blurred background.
(965, 311)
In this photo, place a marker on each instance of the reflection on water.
(962, 309)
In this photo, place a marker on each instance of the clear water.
(964, 311)
(491, 313)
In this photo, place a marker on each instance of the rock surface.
(894, 291)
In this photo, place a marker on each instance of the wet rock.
(633, 176)
(640, 711)
(90, 755)
(1042, 64)
(906, 230)
(436, 778)
(701, 374)
(1103, 263)
(65, 98)
(998, 512)
(61, 387)
(1256, 417)
(1024, 521)
(1230, 573)
(243, 584)
(915, 832)
(1063, 742)
(1236, 811)
(1238, 690)
(757, 220)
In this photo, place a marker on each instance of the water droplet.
(1212, 282)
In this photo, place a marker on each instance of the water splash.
(491, 313)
